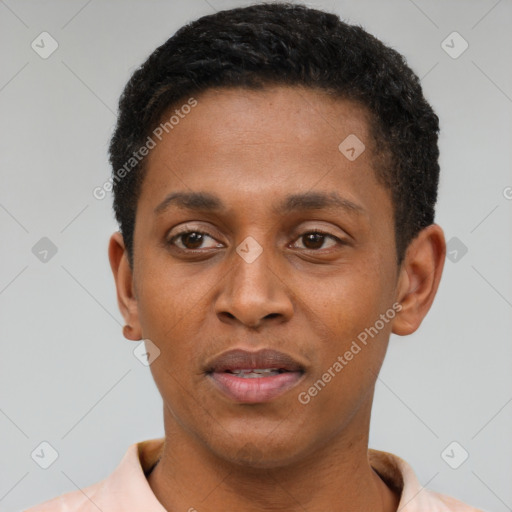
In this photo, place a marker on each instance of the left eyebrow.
(318, 201)
(204, 201)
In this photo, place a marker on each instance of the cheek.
(166, 295)
(351, 300)
(167, 317)
(352, 350)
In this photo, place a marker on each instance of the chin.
(260, 452)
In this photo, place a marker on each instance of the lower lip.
(255, 390)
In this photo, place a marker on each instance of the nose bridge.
(250, 272)
(251, 290)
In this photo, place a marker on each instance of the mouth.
(254, 377)
(256, 373)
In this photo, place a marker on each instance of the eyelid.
(188, 229)
(326, 234)
(325, 228)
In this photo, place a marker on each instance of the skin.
(309, 299)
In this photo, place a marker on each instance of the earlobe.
(129, 334)
(419, 279)
(123, 278)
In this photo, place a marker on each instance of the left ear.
(419, 277)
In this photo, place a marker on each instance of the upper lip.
(239, 359)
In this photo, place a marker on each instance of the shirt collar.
(129, 480)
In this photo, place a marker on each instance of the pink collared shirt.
(127, 489)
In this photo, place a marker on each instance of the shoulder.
(400, 477)
(451, 504)
(125, 489)
(77, 501)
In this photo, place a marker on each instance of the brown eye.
(192, 240)
(314, 240)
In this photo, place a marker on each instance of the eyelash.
(171, 241)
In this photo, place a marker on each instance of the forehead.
(261, 144)
(265, 116)
(236, 121)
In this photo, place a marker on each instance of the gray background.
(68, 377)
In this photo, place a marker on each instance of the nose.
(253, 294)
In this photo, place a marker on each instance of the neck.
(335, 476)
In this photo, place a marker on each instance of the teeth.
(255, 373)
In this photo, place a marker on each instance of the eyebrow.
(204, 201)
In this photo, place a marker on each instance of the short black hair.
(285, 44)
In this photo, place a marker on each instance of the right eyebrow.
(200, 201)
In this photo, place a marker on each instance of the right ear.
(123, 277)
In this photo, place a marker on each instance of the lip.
(258, 389)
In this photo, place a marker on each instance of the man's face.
(305, 295)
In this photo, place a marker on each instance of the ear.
(419, 277)
(123, 278)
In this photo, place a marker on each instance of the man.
(275, 174)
